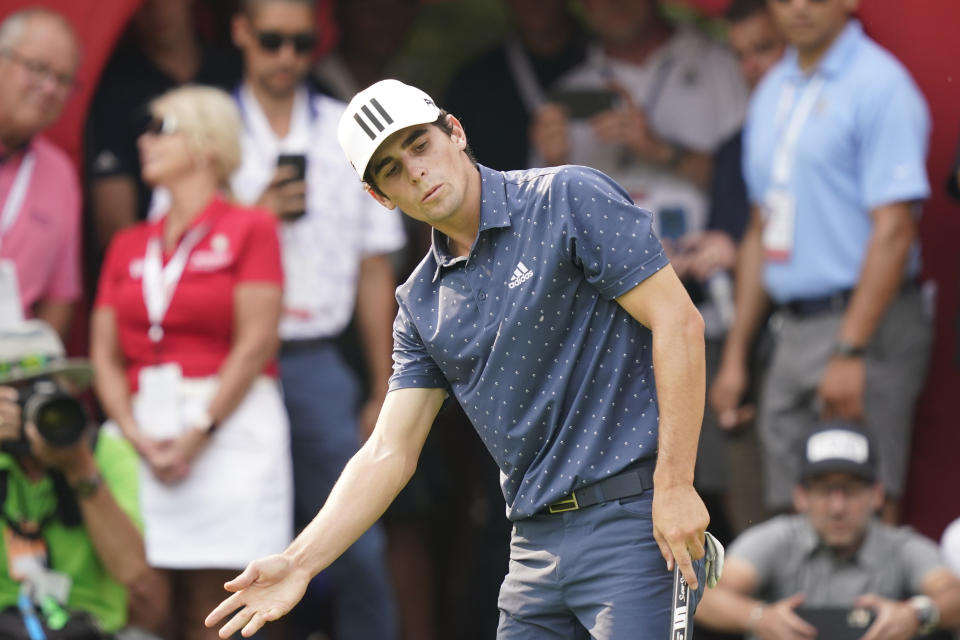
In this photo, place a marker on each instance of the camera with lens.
(59, 417)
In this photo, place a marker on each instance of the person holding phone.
(783, 578)
(648, 107)
(335, 244)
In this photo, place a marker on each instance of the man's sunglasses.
(161, 126)
(273, 41)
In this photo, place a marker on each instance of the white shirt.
(693, 95)
(343, 225)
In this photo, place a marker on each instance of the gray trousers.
(593, 573)
(896, 366)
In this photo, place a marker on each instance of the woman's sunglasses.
(162, 126)
(273, 41)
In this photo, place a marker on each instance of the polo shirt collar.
(810, 543)
(211, 211)
(837, 56)
(9, 153)
(494, 214)
(809, 539)
(872, 545)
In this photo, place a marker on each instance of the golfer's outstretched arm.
(268, 588)
(679, 516)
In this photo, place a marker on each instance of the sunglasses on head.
(273, 41)
(161, 126)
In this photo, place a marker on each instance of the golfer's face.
(419, 169)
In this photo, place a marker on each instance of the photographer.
(70, 543)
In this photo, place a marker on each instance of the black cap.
(838, 446)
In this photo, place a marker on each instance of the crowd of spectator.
(241, 296)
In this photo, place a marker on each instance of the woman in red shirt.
(184, 334)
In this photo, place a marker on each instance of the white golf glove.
(713, 559)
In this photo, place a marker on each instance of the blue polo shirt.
(863, 145)
(554, 375)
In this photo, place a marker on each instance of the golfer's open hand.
(680, 522)
(266, 590)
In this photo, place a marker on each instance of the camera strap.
(67, 510)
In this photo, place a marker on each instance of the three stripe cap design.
(376, 113)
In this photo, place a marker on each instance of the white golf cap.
(376, 113)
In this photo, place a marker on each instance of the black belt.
(835, 302)
(630, 482)
(815, 306)
(309, 344)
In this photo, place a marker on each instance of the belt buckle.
(567, 504)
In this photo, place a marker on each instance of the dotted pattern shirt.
(554, 375)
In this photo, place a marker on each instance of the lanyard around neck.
(17, 194)
(160, 282)
(786, 150)
(524, 76)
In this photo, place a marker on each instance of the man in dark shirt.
(161, 51)
(496, 94)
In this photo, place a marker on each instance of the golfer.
(544, 305)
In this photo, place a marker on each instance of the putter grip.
(679, 608)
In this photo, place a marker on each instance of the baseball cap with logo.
(838, 446)
(32, 349)
(378, 112)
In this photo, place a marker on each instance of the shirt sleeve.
(920, 556)
(118, 465)
(259, 260)
(893, 133)
(112, 131)
(762, 547)
(111, 273)
(412, 365)
(64, 284)
(729, 207)
(605, 234)
(730, 93)
(383, 231)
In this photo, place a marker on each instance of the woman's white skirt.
(236, 504)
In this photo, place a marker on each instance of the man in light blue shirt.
(835, 148)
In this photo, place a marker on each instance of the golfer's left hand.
(680, 522)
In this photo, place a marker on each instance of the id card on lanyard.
(11, 304)
(779, 202)
(157, 405)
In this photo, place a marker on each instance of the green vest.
(70, 548)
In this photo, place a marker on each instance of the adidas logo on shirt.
(520, 275)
